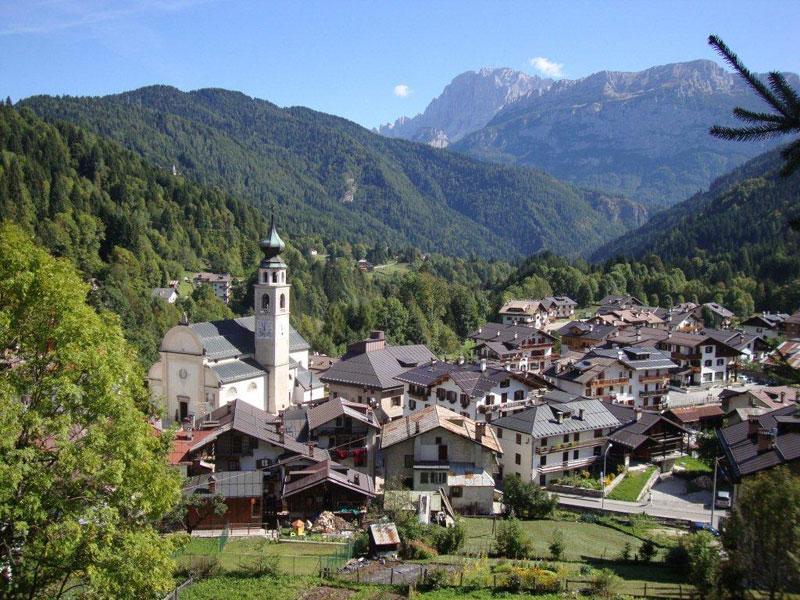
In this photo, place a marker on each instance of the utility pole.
(603, 497)
(714, 490)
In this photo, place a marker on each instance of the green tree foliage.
(82, 475)
(511, 541)
(527, 500)
(556, 545)
(782, 99)
(703, 553)
(762, 548)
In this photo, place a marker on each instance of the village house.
(167, 294)
(613, 302)
(518, 347)
(477, 391)
(545, 442)
(579, 336)
(259, 359)
(739, 404)
(436, 449)
(326, 486)
(523, 312)
(348, 431)
(785, 359)
(752, 348)
(790, 326)
(701, 359)
(629, 318)
(765, 325)
(704, 417)
(760, 443)
(221, 283)
(367, 374)
(634, 376)
(714, 315)
(646, 437)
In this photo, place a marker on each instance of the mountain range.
(641, 134)
(467, 104)
(337, 180)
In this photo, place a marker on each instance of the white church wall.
(248, 390)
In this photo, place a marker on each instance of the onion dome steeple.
(272, 245)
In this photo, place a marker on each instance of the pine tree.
(781, 97)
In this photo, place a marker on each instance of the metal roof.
(636, 358)
(228, 484)
(384, 534)
(238, 370)
(235, 337)
(377, 369)
(542, 420)
(329, 472)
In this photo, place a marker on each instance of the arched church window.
(283, 301)
(264, 301)
(266, 277)
(252, 387)
(274, 277)
(231, 392)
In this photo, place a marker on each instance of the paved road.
(670, 500)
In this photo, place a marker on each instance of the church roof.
(238, 370)
(272, 245)
(234, 337)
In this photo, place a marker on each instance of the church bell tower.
(271, 304)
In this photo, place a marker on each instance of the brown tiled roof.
(431, 418)
(692, 414)
(328, 471)
(377, 369)
(336, 407)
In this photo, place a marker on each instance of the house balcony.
(606, 382)
(568, 465)
(563, 447)
(657, 392)
(654, 378)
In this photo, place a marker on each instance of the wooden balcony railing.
(563, 447)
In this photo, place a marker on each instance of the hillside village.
(571, 405)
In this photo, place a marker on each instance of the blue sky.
(367, 61)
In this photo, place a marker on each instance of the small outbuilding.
(383, 539)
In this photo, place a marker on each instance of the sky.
(370, 62)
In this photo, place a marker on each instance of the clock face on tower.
(263, 329)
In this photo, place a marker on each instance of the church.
(259, 359)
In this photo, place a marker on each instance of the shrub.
(418, 550)
(448, 540)
(361, 543)
(704, 560)
(556, 546)
(511, 541)
(678, 558)
(527, 500)
(605, 583)
(647, 551)
(586, 570)
(625, 554)
(588, 517)
(265, 565)
(201, 567)
(435, 579)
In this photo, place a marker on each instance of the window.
(440, 393)
(456, 491)
(505, 383)
(255, 509)
(720, 362)
(565, 439)
(264, 301)
(576, 437)
(183, 407)
(519, 395)
(274, 277)
(339, 421)
(395, 400)
(543, 459)
(517, 459)
(575, 454)
(708, 363)
(408, 461)
(519, 438)
(266, 277)
(565, 456)
(283, 301)
(489, 399)
(423, 477)
(598, 433)
(542, 480)
(452, 397)
(412, 404)
(709, 349)
(544, 442)
(504, 398)
(597, 450)
(438, 441)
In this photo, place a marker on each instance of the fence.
(175, 594)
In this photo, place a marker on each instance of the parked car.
(696, 526)
(723, 499)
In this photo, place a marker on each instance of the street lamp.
(603, 497)
(714, 490)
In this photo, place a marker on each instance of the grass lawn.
(391, 268)
(693, 464)
(630, 487)
(294, 557)
(582, 540)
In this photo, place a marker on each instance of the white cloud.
(545, 66)
(401, 90)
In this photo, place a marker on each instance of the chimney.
(559, 416)
(281, 435)
(752, 426)
(496, 334)
(515, 335)
(637, 413)
(783, 397)
(356, 479)
(765, 440)
(480, 431)
(311, 449)
(416, 426)
(620, 354)
(483, 364)
(580, 414)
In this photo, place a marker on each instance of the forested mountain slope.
(742, 224)
(340, 181)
